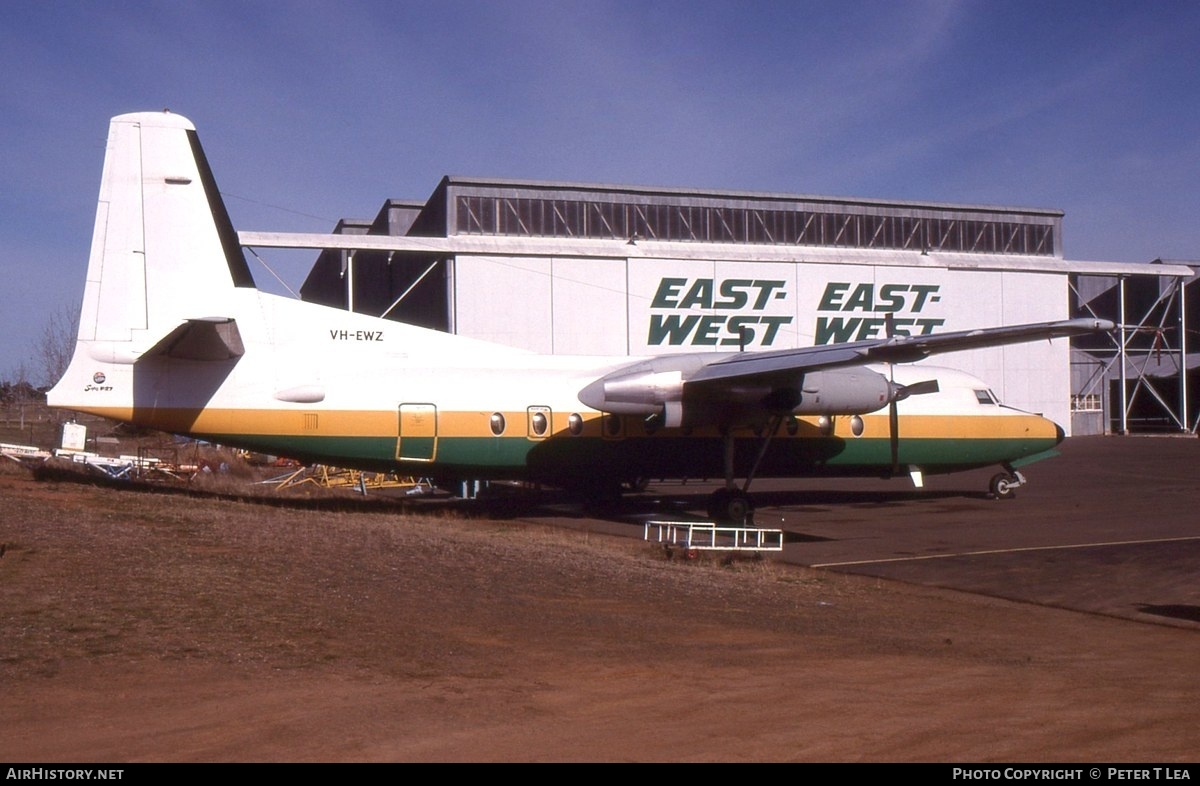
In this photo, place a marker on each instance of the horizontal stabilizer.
(207, 339)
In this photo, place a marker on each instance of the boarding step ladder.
(705, 536)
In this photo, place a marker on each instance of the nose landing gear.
(1005, 485)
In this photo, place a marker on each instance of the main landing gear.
(1005, 485)
(731, 504)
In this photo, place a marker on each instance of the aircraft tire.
(730, 506)
(638, 484)
(1003, 486)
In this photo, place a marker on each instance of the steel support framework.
(1130, 352)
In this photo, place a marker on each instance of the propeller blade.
(902, 392)
(899, 393)
(894, 435)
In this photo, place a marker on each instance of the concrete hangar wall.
(582, 269)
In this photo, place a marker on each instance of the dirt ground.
(151, 627)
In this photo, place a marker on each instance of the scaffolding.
(353, 479)
(1146, 356)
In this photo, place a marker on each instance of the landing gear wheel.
(730, 505)
(1004, 486)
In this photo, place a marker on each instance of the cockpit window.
(986, 397)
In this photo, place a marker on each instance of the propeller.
(898, 394)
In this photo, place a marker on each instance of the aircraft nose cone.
(1059, 435)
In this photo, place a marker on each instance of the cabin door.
(417, 440)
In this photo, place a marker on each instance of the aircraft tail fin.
(164, 249)
(165, 263)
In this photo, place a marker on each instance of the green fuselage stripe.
(564, 458)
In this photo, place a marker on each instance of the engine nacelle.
(658, 388)
(843, 391)
(642, 391)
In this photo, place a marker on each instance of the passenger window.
(539, 421)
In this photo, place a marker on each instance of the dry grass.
(177, 626)
(160, 576)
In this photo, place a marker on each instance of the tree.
(57, 344)
(16, 388)
(18, 392)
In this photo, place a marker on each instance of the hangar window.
(722, 220)
(575, 424)
(497, 423)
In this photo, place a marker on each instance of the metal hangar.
(570, 268)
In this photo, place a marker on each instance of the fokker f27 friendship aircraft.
(174, 335)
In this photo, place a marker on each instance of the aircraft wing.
(729, 387)
(897, 349)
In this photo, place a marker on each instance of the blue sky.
(312, 111)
